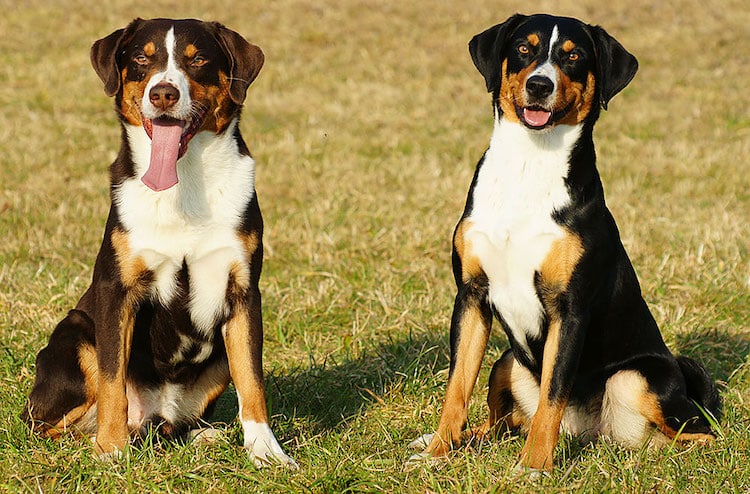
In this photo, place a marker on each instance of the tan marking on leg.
(538, 452)
(501, 419)
(112, 411)
(471, 347)
(651, 409)
(244, 348)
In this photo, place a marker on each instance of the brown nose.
(163, 96)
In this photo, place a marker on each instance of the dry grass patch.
(366, 123)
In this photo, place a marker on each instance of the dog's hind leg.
(649, 401)
(512, 397)
(64, 390)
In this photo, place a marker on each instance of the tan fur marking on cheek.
(511, 91)
(218, 102)
(132, 95)
(587, 98)
(576, 97)
(149, 49)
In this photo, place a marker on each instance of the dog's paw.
(114, 455)
(263, 448)
(421, 442)
(528, 473)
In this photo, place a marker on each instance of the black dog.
(537, 248)
(173, 310)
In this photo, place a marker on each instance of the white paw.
(421, 442)
(529, 473)
(263, 448)
(113, 456)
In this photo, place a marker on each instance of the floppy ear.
(105, 56)
(245, 60)
(486, 49)
(616, 65)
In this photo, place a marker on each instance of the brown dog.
(173, 310)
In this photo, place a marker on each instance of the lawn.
(366, 124)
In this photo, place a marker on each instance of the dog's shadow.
(328, 394)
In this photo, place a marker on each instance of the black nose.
(164, 96)
(539, 87)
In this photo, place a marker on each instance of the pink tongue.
(165, 149)
(536, 118)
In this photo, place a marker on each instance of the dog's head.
(544, 70)
(175, 78)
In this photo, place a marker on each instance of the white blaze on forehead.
(547, 69)
(172, 75)
(552, 40)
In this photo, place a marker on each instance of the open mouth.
(169, 141)
(536, 117)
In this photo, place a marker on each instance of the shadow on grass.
(721, 353)
(329, 393)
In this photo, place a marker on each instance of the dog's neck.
(214, 170)
(524, 148)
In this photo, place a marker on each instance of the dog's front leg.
(243, 338)
(559, 364)
(470, 330)
(121, 282)
(114, 336)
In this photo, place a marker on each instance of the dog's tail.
(700, 387)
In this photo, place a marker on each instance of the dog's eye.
(198, 61)
(573, 56)
(141, 59)
(523, 49)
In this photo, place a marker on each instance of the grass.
(366, 124)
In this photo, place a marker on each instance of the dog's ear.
(106, 56)
(245, 60)
(486, 49)
(615, 64)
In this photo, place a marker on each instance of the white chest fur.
(520, 184)
(194, 222)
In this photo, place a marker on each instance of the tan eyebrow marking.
(149, 48)
(568, 46)
(533, 39)
(191, 50)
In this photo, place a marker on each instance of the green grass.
(366, 124)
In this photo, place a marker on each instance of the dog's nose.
(539, 87)
(163, 96)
